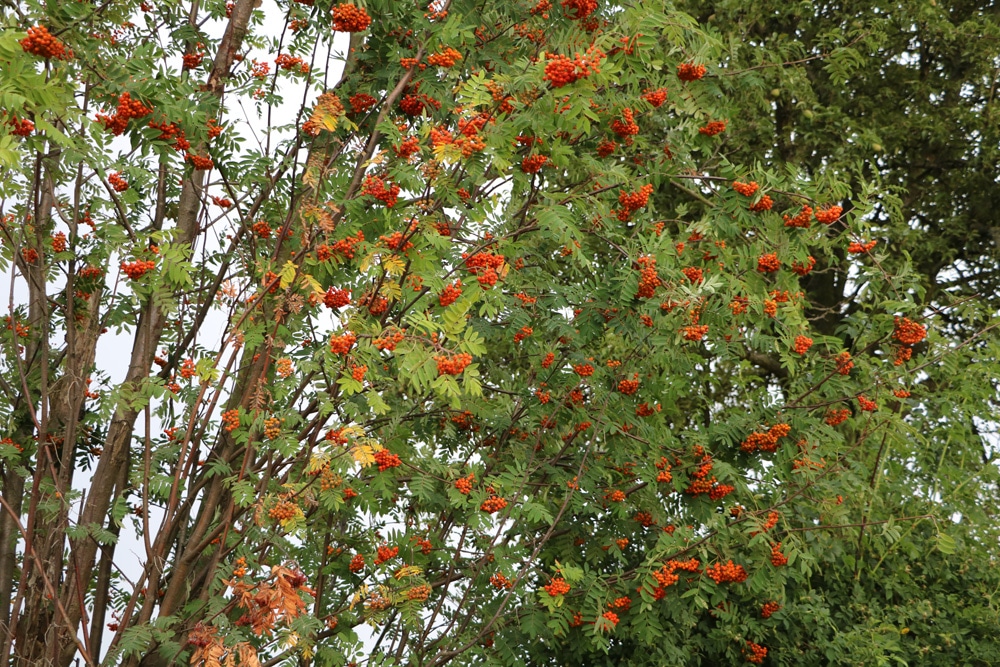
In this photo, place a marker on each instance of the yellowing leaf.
(393, 264)
(407, 571)
(363, 454)
(287, 274)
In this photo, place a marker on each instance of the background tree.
(514, 336)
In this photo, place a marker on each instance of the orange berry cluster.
(283, 510)
(867, 404)
(829, 215)
(713, 128)
(633, 201)
(484, 266)
(289, 62)
(454, 364)
(345, 246)
(357, 563)
(656, 97)
(720, 491)
(40, 42)
(231, 420)
(769, 608)
(611, 617)
(694, 332)
(901, 393)
(804, 269)
(59, 242)
(284, 367)
(408, 148)
(767, 441)
(844, 363)
(623, 603)
(726, 573)
(583, 370)
(549, 358)
(664, 475)
(376, 187)
(117, 182)
(768, 263)
(137, 269)
(501, 582)
(778, 559)
(606, 148)
(187, 369)
(579, 9)
(272, 427)
(532, 164)
(446, 58)
(200, 162)
(523, 333)
(629, 387)
(647, 410)
(764, 204)
(616, 496)
(835, 417)
(746, 189)
(908, 332)
(241, 568)
(464, 484)
(349, 18)
(419, 593)
(690, 71)
(386, 554)
(192, 60)
(561, 70)
(358, 372)
(857, 248)
(336, 298)
(801, 219)
(126, 111)
(450, 294)
(21, 127)
(389, 340)
(648, 279)
(342, 344)
(694, 274)
(386, 459)
(625, 127)
(557, 587)
(755, 653)
(493, 505)
(802, 344)
(361, 102)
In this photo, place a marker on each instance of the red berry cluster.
(656, 97)
(694, 332)
(336, 298)
(857, 248)
(501, 582)
(769, 608)
(349, 18)
(629, 387)
(836, 417)
(755, 653)
(767, 441)
(117, 182)
(625, 127)
(29, 255)
(867, 404)
(729, 572)
(804, 269)
(289, 62)
(40, 42)
(523, 333)
(464, 484)
(408, 148)
(713, 128)
(844, 363)
(561, 71)
(801, 219)
(138, 268)
(606, 148)
(446, 58)
(484, 266)
(345, 246)
(829, 215)
(21, 127)
(389, 340)
(690, 71)
(746, 189)
(376, 187)
(908, 332)
(386, 459)
(648, 279)
(768, 263)
(633, 201)
(549, 358)
(193, 60)
(357, 563)
(778, 559)
(283, 510)
(361, 102)
(532, 164)
(493, 505)
(623, 603)
(611, 617)
(583, 370)
(802, 344)
(579, 9)
(342, 344)
(693, 274)
(386, 554)
(557, 587)
(454, 364)
(59, 242)
(763, 204)
(201, 162)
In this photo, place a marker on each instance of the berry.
(801, 219)
(450, 294)
(342, 344)
(804, 269)
(778, 559)
(336, 298)
(137, 269)
(349, 18)
(357, 563)
(836, 417)
(464, 484)
(583, 370)
(690, 71)
(40, 42)
(908, 332)
(802, 344)
(729, 572)
(611, 617)
(557, 587)
(764, 204)
(629, 387)
(446, 58)
(386, 554)
(844, 363)
(656, 97)
(694, 332)
(59, 242)
(493, 505)
(454, 364)
(829, 215)
(769, 608)
(117, 182)
(867, 404)
(713, 128)
(231, 420)
(625, 126)
(755, 653)
(385, 460)
(768, 263)
(532, 164)
(579, 9)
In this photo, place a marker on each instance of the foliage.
(509, 333)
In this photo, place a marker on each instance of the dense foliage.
(506, 333)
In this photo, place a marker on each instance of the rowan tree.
(465, 332)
